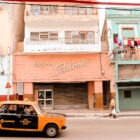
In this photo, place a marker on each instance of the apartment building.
(60, 64)
(121, 38)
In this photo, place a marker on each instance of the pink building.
(60, 64)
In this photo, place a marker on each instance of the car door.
(29, 120)
(8, 116)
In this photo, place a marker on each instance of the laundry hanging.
(132, 43)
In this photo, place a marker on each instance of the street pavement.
(89, 128)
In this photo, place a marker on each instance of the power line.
(72, 6)
(80, 2)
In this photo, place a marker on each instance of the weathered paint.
(44, 68)
(132, 103)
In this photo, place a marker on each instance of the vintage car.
(28, 116)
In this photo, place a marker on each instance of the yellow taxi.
(28, 116)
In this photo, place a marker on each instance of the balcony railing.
(125, 53)
(61, 45)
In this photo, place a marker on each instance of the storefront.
(127, 85)
(63, 81)
(129, 96)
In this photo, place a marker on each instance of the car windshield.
(38, 109)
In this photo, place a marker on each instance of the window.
(83, 38)
(29, 110)
(127, 94)
(91, 38)
(89, 11)
(124, 12)
(53, 36)
(80, 11)
(4, 108)
(75, 37)
(53, 9)
(43, 36)
(44, 9)
(128, 32)
(71, 37)
(35, 8)
(34, 36)
(45, 99)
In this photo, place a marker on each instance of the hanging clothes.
(135, 44)
(138, 43)
(114, 53)
(129, 43)
(132, 43)
(125, 42)
(116, 40)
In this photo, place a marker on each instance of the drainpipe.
(8, 76)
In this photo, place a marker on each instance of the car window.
(3, 108)
(38, 109)
(11, 109)
(29, 110)
(6, 108)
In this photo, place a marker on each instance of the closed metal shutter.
(70, 95)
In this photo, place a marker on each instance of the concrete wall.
(11, 30)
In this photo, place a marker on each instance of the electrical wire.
(72, 6)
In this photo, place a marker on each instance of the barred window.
(34, 36)
(43, 36)
(79, 37)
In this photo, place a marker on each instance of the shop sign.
(63, 67)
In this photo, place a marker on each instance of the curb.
(101, 115)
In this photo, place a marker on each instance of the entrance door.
(45, 99)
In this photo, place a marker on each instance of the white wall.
(4, 78)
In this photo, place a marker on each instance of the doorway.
(45, 98)
(106, 93)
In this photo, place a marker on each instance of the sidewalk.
(93, 113)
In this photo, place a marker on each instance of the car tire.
(51, 131)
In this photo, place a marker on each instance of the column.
(14, 90)
(98, 95)
(116, 87)
(90, 94)
(35, 92)
(28, 91)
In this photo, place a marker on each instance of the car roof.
(18, 102)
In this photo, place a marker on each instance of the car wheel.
(51, 131)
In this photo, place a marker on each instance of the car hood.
(58, 115)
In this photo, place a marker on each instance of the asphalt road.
(89, 129)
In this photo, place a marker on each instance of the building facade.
(60, 64)
(120, 37)
(11, 31)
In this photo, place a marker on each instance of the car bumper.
(64, 127)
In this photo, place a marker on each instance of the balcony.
(60, 46)
(126, 53)
(53, 13)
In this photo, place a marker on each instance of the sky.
(127, 1)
